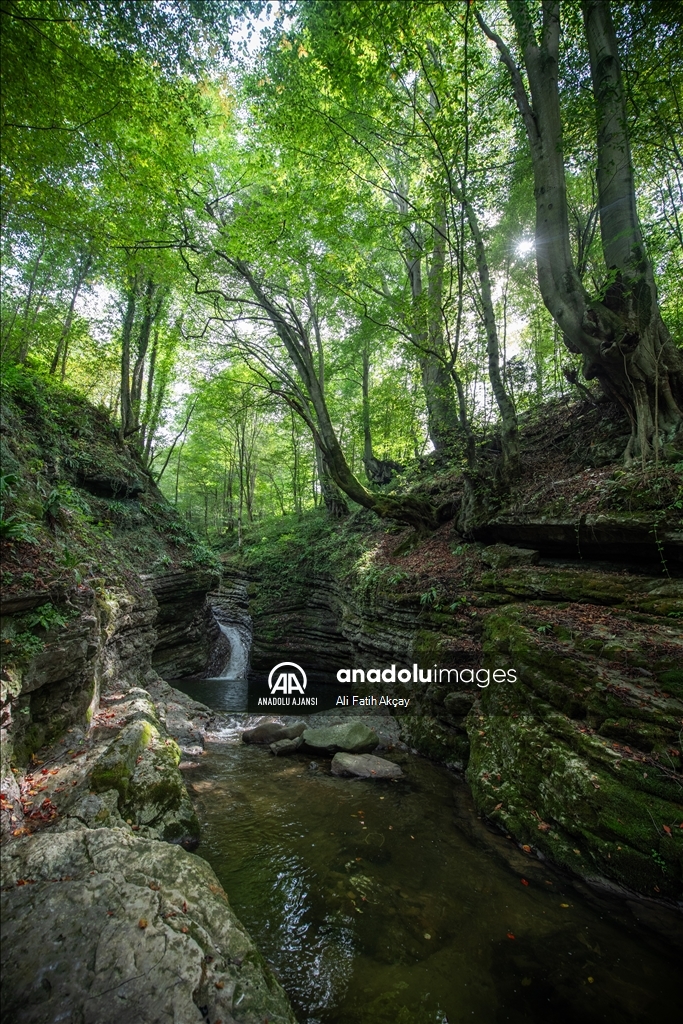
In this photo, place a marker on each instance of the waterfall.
(236, 667)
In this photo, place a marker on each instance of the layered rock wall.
(577, 753)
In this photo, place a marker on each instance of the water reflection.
(377, 905)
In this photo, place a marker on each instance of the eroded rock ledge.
(105, 916)
(579, 756)
(101, 926)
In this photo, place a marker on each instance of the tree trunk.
(334, 500)
(61, 353)
(378, 471)
(152, 408)
(126, 333)
(416, 511)
(650, 367)
(153, 301)
(508, 415)
(25, 341)
(620, 334)
(427, 336)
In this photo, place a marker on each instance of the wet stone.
(352, 737)
(365, 766)
(272, 732)
(286, 746)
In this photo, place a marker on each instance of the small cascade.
(236, 667)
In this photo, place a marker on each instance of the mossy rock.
(545, 762)
(115, 769)
(525, 775)
(535, 582)
(672, 680)
(431, 737)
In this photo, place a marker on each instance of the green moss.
(433, 739)
(672, 680)
(115, 768)
(527, 775)
(427, 647)
(116, 777)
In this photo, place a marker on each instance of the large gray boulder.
(101, 927)
(351, 737)
(365, 766)
(271, 732)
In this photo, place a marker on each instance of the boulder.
(272, 732)
(365, 766)
(286, 746)
(102, 927)
(352, 737)
(502, 556)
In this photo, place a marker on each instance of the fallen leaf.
(497, 807)
(527, 849)
(142, 923)
(524, 881)
(591, 980)
(565, 905)
(510, 935)
(220, 984)
(667, 829)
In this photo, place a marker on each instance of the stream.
(379, 902)
(390, 903)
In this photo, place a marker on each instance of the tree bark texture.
(126, 334)
(427, 335)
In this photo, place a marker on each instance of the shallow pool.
(391, 903)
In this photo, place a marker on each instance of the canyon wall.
(577, 753)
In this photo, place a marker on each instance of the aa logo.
(287, 678)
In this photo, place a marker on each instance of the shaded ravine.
(390, 902)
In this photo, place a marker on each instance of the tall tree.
(619, 332)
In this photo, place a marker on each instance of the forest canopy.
(296, 248)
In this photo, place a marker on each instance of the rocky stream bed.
(573, 766)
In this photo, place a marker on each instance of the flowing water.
(228, 691)
(389, 902)
(236, 668)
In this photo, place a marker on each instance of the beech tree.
(619, 332)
